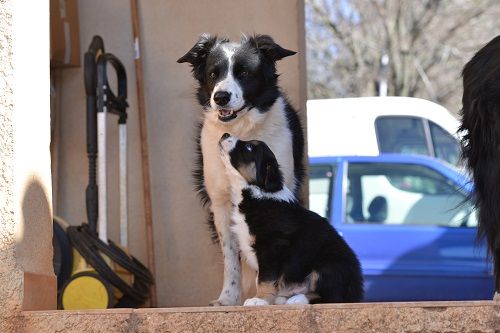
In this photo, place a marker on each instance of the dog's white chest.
(245, 240)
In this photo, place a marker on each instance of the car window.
(404, 135)
(320, 188)
(405, 194)
(446, 147)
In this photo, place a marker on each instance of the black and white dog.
(238, 90)
(481, 142)
(298, 255)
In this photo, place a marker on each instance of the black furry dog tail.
(481, 142)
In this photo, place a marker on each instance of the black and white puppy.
(298, 255)
(238, 90)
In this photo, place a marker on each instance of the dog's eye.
(249, 147)
(243, 74)
(213, 75)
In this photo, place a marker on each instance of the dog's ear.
(268, 173)
(267, 47)
(199, 51)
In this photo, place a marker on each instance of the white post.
(102, 219)
(123, 185)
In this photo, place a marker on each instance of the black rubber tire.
(63, 255)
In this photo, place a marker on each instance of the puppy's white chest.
(240, 229)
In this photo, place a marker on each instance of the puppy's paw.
(255, 301)
(496, 297)
(280, 300)
(298, 299)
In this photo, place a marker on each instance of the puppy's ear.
(273, 181)
(269, 176)
(199, 51)
(267, 47)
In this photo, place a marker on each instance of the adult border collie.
(298, 255)
(238, 90)
(481, 142)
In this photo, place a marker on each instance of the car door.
(412, 229)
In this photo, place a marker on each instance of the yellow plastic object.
(81, 265)
(86, 290)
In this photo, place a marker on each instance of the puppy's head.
(253, 161)
(235, 77)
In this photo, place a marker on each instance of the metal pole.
(146, 182)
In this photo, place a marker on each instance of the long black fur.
(199, 184)
(481, 141)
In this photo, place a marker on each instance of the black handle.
(99, 96)
(116, 103)
(95, 51)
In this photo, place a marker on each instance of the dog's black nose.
(222, 97)
(225, 136)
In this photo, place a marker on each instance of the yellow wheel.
(86, 290)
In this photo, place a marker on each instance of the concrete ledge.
(482, 316)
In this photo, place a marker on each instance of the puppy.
(481, 142)
(298, 254)
(239, 93)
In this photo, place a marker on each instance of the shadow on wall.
(34, 249)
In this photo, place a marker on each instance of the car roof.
(342, 126)
(388, 157)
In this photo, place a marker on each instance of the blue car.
(409, 220)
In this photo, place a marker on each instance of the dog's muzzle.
(227, 142)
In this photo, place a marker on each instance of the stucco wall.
(26, 275)
(10, 272)
(188, 264)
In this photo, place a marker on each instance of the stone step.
(460, 317)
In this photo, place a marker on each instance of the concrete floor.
(478, 316)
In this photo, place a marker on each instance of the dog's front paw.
(224, 302)
(215, 302)
(255, 301)
(298, 299)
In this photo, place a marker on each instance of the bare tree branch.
(427, 42)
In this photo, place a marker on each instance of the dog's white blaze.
(228, 144)
(229, 84)
(283, 195)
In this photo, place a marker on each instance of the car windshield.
(415, 135)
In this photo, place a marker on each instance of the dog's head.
(235, 77)
(253, 161)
